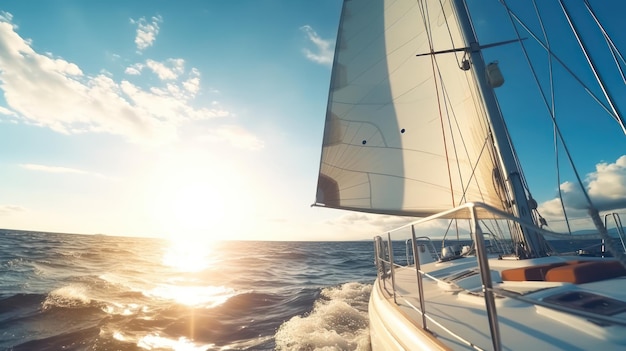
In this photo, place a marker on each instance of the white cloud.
(51, 169)
(5, 111)
(169, 70)
(6, 210)
(324, 48)
(146, 31)
(235, 136)
(5, 16)
(606, 187)
(384, 222)
(134, 70)
(52, 92)
(192, 84)
(57, 169)
(369, 225)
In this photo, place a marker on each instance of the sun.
(191, 209)
(188, 200)
(198, 207)
(195, 197)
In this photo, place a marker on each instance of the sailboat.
(415, 128)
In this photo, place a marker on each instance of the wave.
(88, 337)
(69, 296)
(338, 321)
(19, 306)
(111, 293)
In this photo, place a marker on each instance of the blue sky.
(596, 141)
(161, 119)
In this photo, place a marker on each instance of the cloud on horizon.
(369, 225)
(6, 210)
(606, 187)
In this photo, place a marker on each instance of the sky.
(201, 120)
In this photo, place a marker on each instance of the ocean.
(96, 292)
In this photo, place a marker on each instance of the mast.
(530, 241)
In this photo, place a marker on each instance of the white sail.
(404, 134)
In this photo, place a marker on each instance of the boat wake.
(338, 321)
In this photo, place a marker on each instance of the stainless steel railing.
(618, 225)
(386, 268)
(384, 258)
(422, 241)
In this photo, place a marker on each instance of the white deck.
(460, 307)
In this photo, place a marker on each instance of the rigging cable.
(435, 68)
(616, 112)
(617, 55)
(553, 113)
(551, 53)
(458, 128)
(549, 106)
(450, 111)
(592, 210)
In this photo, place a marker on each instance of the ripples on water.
(77, 292)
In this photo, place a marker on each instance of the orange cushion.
(535, 273)
(586, 272)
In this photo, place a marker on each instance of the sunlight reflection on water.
(196, 296)
(188, 256)
(145, 294)
(124, 309)
(154, 341)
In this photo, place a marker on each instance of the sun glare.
(188, 256)
(194, 296)
(198, 197)
(188, 203)
(197, 207)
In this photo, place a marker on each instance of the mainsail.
(404, 134)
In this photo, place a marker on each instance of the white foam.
(73, 295)
(338, 322)
(122, 309)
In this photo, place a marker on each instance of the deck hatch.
(460, 275)
(588, 302)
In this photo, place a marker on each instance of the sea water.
(95, 292)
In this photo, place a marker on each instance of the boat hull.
(391, 329)
(530, 314)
